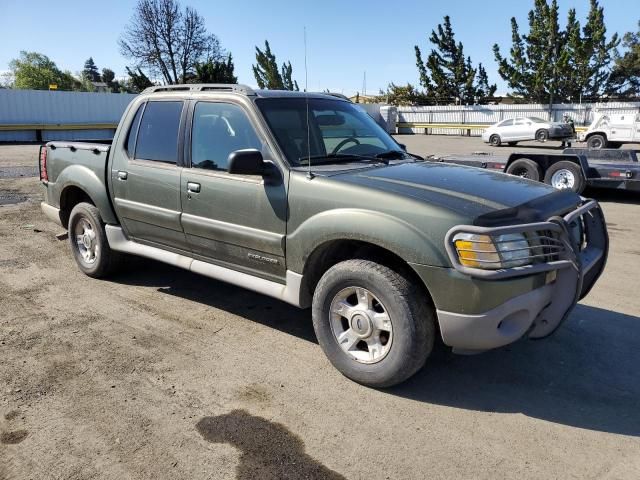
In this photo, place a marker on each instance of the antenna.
(306, 96)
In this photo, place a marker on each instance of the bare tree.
(168, 40)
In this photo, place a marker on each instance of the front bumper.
(539, 312)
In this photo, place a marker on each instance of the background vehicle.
(573, 169)
(232, 184)
(612, 130)
(514, 130)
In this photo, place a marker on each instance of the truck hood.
(484, 198)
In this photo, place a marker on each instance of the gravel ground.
(160, 373)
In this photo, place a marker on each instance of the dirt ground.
(160, 373)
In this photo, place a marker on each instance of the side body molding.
(289, 292)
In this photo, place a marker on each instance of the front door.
(146, 176)
(236, 221)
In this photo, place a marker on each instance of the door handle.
(193, 187)
(122, 175)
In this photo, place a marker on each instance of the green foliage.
(267, 73)
(625, 77)
(402, 95)
(90, 71)
(33, 70)
(137, 81)
(549, 63)
(447, 74)
(215, 71)
(108, 76)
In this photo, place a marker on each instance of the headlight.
(492, 252)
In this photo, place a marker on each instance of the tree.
(625, 77)
(267, 73)
(33, 70)
(402, 95)
(447, 73)
(215, 71)
(90, 71)
(166, 39)
(137, 81)
(549, 63)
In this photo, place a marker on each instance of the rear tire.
(525, 168)
(495, 141)
(565, 176)
(373, 324)
(542, 135)
(89, 242)
(596, 142)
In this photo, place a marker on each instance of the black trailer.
(574, 168)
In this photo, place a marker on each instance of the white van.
(611, 130)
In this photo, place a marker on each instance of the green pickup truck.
(305, 198)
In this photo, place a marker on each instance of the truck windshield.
(338, 131)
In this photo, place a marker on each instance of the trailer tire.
(525, 168)
(565, 175)
(596, 142)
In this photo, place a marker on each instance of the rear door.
(236, 221)
(506, 130)
(522, 129)
(146, 175)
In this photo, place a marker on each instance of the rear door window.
(158, 132)
(133, 132)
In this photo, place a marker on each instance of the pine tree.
(625, 77)
(215, 71)
(267, 73)
(447, 73)
(553, 64)
(90, 71)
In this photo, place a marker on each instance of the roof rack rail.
(200, 87)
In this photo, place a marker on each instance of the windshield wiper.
(392, 154)
(337, 158)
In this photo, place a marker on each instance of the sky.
(345, 38)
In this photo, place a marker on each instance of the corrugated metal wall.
(51, 107)
(582, 114)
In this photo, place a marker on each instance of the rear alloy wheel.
(525, 168)
(495, 141)
(89, 242)
(596, 142)
(373, 324)
(565, 176)
(542, 135)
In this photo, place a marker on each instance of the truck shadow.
(585, 375)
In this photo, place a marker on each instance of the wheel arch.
(77, 183)
(332, 252)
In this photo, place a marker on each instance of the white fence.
(582, 114)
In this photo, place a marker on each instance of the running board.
(290, 292)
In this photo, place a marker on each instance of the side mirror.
(246, 162)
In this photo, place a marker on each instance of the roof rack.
(202, 87)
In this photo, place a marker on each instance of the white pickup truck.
(611, 130)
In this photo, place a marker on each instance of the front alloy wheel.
(361, 325)
(375, 325)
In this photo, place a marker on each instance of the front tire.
(89, 242)
(542, 135)
(565, 176)
(374, 325)
(495, 141)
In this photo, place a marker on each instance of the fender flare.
(86, 180)
(383, 230)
